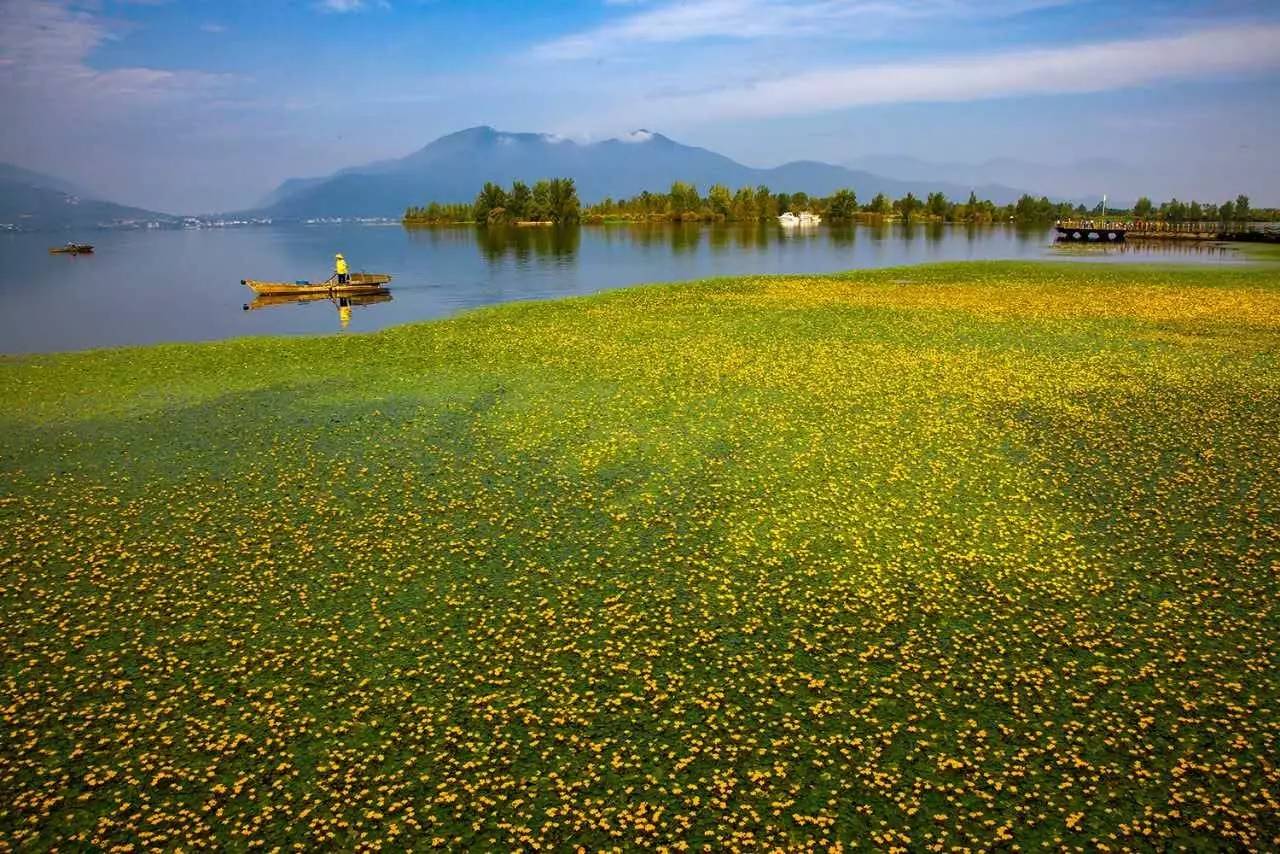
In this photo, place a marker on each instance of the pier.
(1117, 231)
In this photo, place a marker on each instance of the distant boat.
(356, 283)
(72, 249)
(790, 220)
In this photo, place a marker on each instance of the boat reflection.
(344, 304)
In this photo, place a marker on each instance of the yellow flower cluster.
(942, 558)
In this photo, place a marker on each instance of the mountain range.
(454, 167)
(31, 201)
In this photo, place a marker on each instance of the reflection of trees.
(1026, 233)
(718, 238)
(440, 235)
(525, 242)
(843, 234)
(752, 235)
(685, 237)
(646, 235)
(879, 228)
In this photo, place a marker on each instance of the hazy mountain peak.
(29, 178)
(477, 132)
(31, 201)
(455, 166)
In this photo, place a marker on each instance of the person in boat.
(340, 269)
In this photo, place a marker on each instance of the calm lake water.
(145, 287)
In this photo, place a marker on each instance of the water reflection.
(184, 285)
(343, 304)
(1154, 248)
(666, 239)
(525, 242)
(563, 244)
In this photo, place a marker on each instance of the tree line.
(551, 201)
(1233, 210)
(556, 201)
(684, 203)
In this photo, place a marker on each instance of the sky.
(194, 106)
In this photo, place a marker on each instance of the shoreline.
(1262, 258)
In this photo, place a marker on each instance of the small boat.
(356, 283)
(790, 220)
(72, 249)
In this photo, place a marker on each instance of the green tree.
(1031, 209)
(518, 200)
(880, 205)
(744, 205)
(1242, 208)
(720, 201)
(491, 197)
(936, 205)
(908, 205)
(1227, 211)
(842, 206)
(1142, 208)
(564, 204)
(540, 201)
(683, 199)
(766, 204)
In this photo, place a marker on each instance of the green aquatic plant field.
(950, 556)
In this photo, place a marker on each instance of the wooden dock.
(1116, 231)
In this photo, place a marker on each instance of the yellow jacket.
(340, 266)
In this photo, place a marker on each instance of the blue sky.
(188, 105)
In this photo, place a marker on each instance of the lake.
(142, 287)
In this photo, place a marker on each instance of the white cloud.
(215, 29)
(344, 6)
(44, 52)
(687, 20)
(1076, 69)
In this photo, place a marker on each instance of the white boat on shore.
(789, 219)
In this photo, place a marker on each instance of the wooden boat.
(357, 283)
(72, 249)
(358, 298)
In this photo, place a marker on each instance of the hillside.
(31, 201)
(454, 167)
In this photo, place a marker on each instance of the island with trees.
(555, 201)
